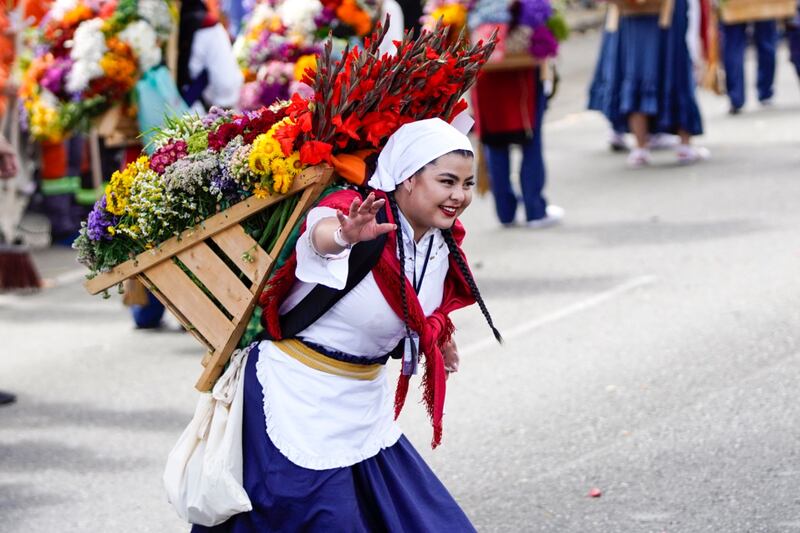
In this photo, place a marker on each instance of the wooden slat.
(737, 11)
(207, 228)
(512, 62)
(217, 278)
(198, 309)
(214, 365)
(175, 311)
(235, 242)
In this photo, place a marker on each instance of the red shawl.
(434, 330)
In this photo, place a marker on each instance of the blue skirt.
(678, 109)
(646, 69)
(603, 72)
(394, 491)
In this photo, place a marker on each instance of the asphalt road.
(652, 352)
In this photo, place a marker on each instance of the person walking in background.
(208, 73)
(734, 38)
(510, 107)
(649, 87)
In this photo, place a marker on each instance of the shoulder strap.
(363, 258)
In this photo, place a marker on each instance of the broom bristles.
(17, 270)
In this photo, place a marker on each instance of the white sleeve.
(329, 270)
(212, 51)
(396, 26)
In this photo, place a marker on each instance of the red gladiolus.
(286, 135)
(348, 126)
(315, 152)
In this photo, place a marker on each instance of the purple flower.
(53, 79)
(534, 13)
(543, 43)
(99, 221)
(325, 17)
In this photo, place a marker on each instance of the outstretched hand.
(360, 224)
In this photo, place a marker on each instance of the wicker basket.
(216, 252)
(736, 11)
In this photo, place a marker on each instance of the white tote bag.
(203, 476)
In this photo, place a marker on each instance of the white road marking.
(526, 327)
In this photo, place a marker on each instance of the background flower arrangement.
(535, 27)
(282, 38)
(201, 166)
(87, 55)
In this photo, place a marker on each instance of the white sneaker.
(554, 216)
(638, 158)
(688, 154)
(616, 142)
(663, 141)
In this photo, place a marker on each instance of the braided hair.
(401, 252)
(473, 287)
(459, 259)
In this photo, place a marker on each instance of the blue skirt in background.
(643, 68)
(678, 109)
(603, 72)
(639, 66)
(394, 491)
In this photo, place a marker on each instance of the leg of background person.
(793, 36)
(734, 41)
(766, 37)
(533, 173)
(148, 316)
(637, 122)
(499, 163)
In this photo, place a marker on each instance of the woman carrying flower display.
(510, 105)
(321, 448)
(649, 86)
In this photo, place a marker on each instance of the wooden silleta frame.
(217, 313)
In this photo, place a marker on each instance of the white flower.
(298, 15)
(158, 15)
(61, 7)
(88, 47)
(141, 37)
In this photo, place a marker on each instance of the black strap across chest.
(363, 258)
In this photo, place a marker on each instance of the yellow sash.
(311, 358)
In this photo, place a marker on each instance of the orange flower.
(355, 17)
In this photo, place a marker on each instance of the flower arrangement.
(87, 56)
(451, 13)
(281, 39)
(200, 167)
(534, 27)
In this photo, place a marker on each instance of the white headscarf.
(413, 146)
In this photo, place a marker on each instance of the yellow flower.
(304, 62)
(293, 165)
(265, 149)
(454, 15)
(119, 188)
(260, 193)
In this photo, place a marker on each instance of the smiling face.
(436, 195)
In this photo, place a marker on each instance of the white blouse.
(318, 420)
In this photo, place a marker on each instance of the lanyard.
(418, 286)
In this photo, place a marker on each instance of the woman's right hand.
(360, 224)
(357, 225)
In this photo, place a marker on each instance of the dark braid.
(402, 253)
(473, 287)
